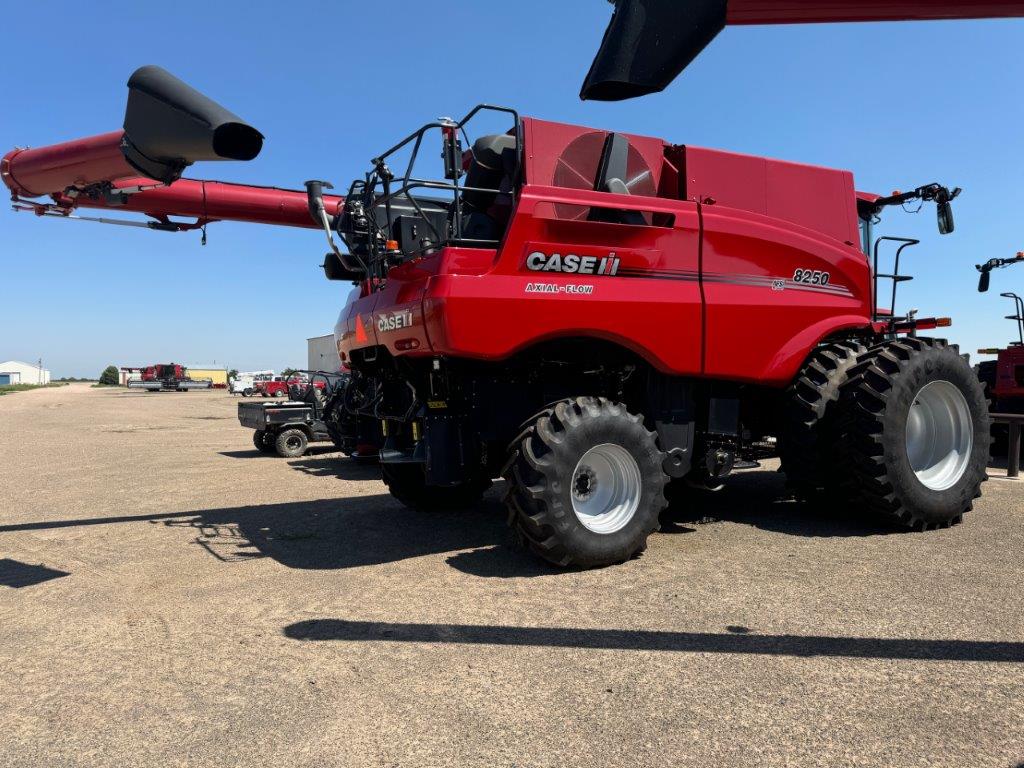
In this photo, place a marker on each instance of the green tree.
(289, 372)
(110, 376)
(233, 373)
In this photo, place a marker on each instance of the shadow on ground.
(734, 640)
(374, 529)
(759, 498)
(16, 574)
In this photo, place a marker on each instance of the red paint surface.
(54, 168)
(735, 219)
(1010, 373)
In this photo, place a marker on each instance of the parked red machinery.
(167, 377)
(649, 42)
(595, 315)
(291, 386)
(1004, 376)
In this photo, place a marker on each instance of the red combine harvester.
(166, 377)
(591, 314)
(649, 42)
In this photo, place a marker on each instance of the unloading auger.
(168, 126)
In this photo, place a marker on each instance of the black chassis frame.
(457, 417)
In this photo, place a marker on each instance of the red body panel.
(1010, 374)
(705, 288)
(809, 11)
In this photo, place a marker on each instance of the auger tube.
(167, 126)
(649, 42)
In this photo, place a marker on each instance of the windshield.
(865, 235)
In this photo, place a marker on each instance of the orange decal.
(361, 337)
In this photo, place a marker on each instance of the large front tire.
(916, 433)
(585, 483)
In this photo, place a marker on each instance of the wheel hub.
(606, 488)
(583, 483)
(940, 435)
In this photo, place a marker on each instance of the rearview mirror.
(983, 282)
(945, 213)
(335, 270)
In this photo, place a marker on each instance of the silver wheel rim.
(940, 435)
(606, 488)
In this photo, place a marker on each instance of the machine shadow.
(347, 532)
(337, 466)
(759, 498)
(734, 640)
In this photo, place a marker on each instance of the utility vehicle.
(287, 428)
(591, 315)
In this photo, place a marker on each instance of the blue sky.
(330, 84)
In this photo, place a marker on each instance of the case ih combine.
(592, 315)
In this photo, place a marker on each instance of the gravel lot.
(168, 596)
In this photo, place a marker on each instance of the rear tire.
(915, 436)
(247, 392)
(807, 444)
(291, 443)
(585, 483)
(262, 441)
(408, 484)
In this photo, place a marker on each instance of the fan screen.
(577, 169)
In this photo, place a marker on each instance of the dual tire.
(898, 431)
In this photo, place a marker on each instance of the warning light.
(943, 322)
(391, 245)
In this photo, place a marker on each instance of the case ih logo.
(572, 264)
(392, 321)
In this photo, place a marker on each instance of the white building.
(17, 372)
(322, 354)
